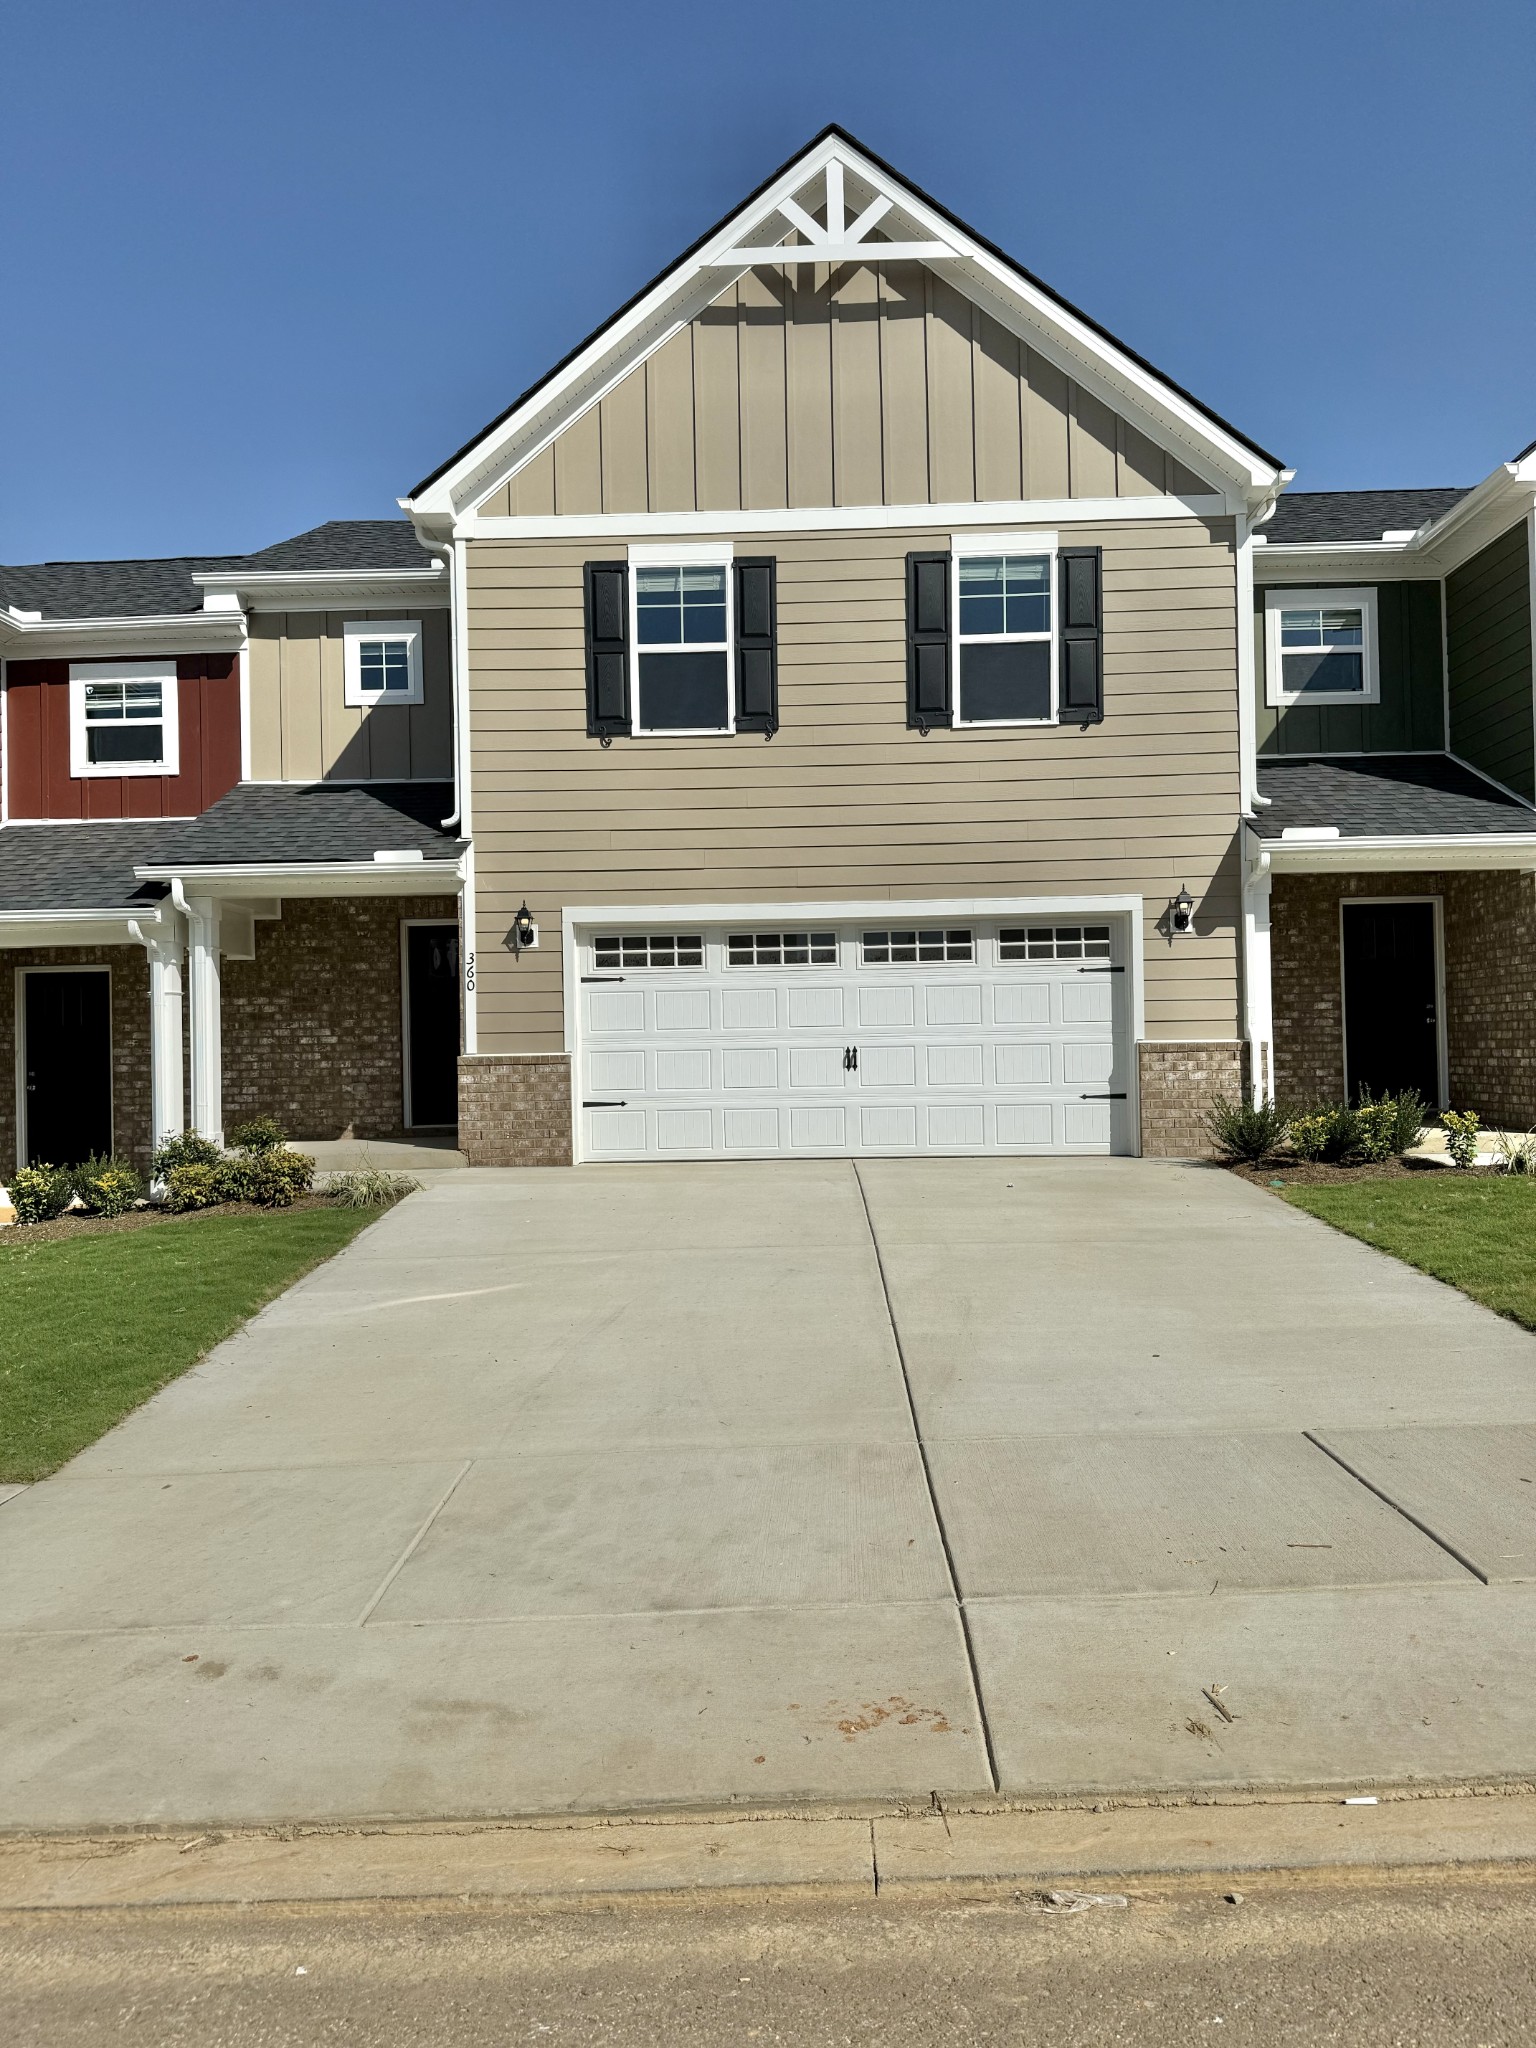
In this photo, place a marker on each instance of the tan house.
(851, 705)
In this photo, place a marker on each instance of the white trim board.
(988, 513)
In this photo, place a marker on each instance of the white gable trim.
(989, 513)
(1064, 339)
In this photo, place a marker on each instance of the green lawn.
(91, 1326)
(1475, 1230)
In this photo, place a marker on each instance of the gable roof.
(1302, 517)
(162, 586)
(736, 218)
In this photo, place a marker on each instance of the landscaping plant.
(107, 1186)
(40, 1193)
(1245, 1132)
(193, 1186)
(1330, 1131)
(186, 1148)
(371, 1188)
(1515, 1155)
(260, 1134)
(1461, 1129)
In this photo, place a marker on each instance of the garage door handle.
(605, 1105)
(1103, 1098)
(850, 1059)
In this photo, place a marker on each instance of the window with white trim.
(782, 949)
(648, 949)
(1320, 647)
(681, 631)
(123, 718)
(904, 948)
(1053, 942)
(1005, 637)
(381, 662)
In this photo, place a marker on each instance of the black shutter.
(1082, 635)
(757, 645)
(607, 617)
(928, 656)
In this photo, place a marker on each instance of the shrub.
(108, 1187)
(1246, 1132)
(1515, 1155)
(270, 1178)
(261, 1134)
(1412, 1113)
(40, 1193)
(1461, 1129)
(185, 1148)
(1329, 1131)
(1375, 1131)
(193, 1186)
(369, 1189)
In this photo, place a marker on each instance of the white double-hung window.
(381, 661)
(1320, 647)
(1005, 628)
(680, 629)
(122, 718)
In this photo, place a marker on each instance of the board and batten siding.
(303, 730)
(1410, 719)
(871, 385)
(845, 801)
(1488, 648)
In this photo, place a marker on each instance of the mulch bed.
(1311, 1173)
(137, 1219)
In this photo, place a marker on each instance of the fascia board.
(1471, 850)
(170, 633)
(315, 878)
(684, 291)
(20, 928)
(846, 909)
(326, 590)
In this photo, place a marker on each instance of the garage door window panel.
(683, 649)
(648, 949)
(910, 948)
(1005, 629)
(782, 949)
(1053, 942)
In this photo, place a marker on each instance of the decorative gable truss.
(841, 342)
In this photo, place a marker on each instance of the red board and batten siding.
(37, 746)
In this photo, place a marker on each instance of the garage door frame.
(579, 919)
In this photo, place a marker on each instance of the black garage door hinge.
(605, 1105)
(602, 977)
(1101, 970)
(1103, 1098)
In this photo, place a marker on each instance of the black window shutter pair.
(930, 640)
(606, 592)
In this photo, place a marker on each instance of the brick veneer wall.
(312, 1027)
(515, 1109)
(1490, 986)
(1177, 1080)
(130, 1042)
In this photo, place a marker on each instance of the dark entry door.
(432, 1006)
(1391, 1024)
(67, 1066)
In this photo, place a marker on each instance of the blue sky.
(267, 265)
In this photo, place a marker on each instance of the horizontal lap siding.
(1488, 639)
(845, 801)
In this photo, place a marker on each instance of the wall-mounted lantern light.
(524, 935)
(1181, 914)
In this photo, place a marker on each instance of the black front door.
(1391, 1022)
(432, 1007)
(67, 1066)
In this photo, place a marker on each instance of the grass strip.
(1476, 1231)
(91, 1327)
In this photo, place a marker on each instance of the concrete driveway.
(789, 1481)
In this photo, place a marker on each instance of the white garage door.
(750, 1040)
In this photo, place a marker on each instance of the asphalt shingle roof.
(161, 586)
(262, 822)
(1355, 515)
(78, 867)
(1377, 796)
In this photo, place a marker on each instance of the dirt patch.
(1307, 1173)
(139, 1219)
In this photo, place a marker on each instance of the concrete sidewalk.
(650, 1487)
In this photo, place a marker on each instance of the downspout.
(463, 815)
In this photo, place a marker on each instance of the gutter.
(1398, 852)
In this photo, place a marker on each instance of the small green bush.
(269, 1178)
(1375, 1131)
(40, 1193)
(185, 1148)
(107, 1186)
(1461, 1129)
(1245, 1132)
(261, 1134)
(1329, 1131)
(371, 1188)
(1515, 1155)
(194, 1186)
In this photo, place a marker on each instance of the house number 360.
(469, 972)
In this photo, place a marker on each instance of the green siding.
(1488, 633)
(1410, 718)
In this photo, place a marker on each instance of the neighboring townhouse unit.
(851, 705)
(229, 777)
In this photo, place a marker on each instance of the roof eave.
(428, 876)
(1400, 851)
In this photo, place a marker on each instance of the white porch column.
(207, 1045)
(1258, 997)
(167, 1081)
